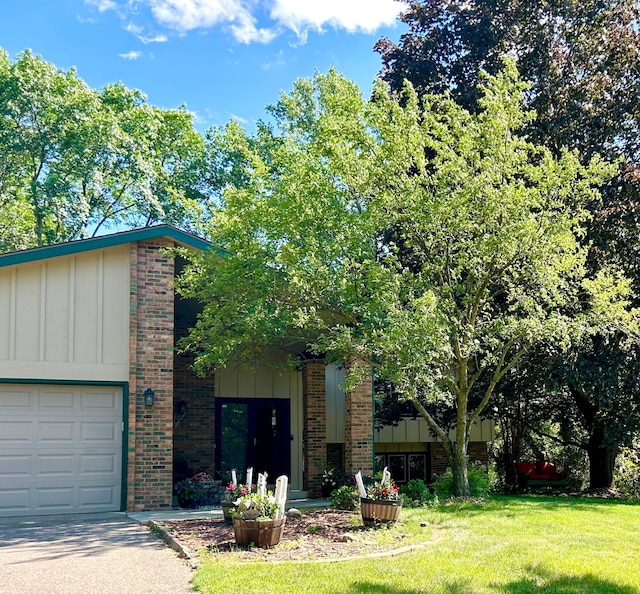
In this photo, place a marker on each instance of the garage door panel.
(49, 432)
(58, 498)
(93, 400)
(14, 501)
(16, 432)
(56, 465)
(16, 399)
(95, 432)
(60, 450)
(56, 400)
(98, 464)
(15, 466)
(92, 497)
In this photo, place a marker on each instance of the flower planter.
(262, 533)
(379, 511)
(187, 502)
(326, 491)
(227, 509)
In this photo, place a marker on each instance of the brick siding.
(439, 460)
(315, 425)
(194, 433)
(358, 447)
(150, 441)
(476, 451)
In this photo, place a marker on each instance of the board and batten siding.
(66, 318)
(407, 431)
(417, 430)
(334, 377)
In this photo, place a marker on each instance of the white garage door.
(60, 449)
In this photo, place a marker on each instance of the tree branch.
(424, 413)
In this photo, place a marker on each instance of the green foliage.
(584, 97)
(627, 471)
(387, 491)
(345, 497)
(76, 160)
(253, 506)
(434, 244)
(416, 493)
(190, 490)
(334, 477)
(479, 483)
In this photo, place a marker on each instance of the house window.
(398, 467)
(403, 467)
(417, 465)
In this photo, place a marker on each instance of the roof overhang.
(180, 237)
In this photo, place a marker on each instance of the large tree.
(74, 160)
(434, 244)
(581, 59)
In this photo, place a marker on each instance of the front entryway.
(253, 432)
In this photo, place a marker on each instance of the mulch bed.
(319, 535)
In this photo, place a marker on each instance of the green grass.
(511, 545)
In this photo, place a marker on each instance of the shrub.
(627, 471)
(416, 493)
(478, 483)
(346, 498)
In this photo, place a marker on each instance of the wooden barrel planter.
(379, 511)
(261, 533)
(227, 508)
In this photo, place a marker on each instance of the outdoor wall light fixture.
(148, 397)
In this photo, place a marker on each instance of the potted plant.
(232, 492)
(258, 519)
(330, 481)
(382, 502)
(189, 492)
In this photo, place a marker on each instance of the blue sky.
(223, 59)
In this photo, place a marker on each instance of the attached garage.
(61, 449)
(86, 328)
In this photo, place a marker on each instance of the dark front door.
(253, 432)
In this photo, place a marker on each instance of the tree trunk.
(602, 457)
(602, 460)
(458, 461)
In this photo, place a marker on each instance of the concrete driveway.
(85, 554)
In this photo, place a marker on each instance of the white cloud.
(185, 15)
(139, 32)
(132, 55)
(239, 16)
(102, 5)
(153, 39)
(247, 32)
(353, 15)
(277, 61)
(238, 119)
(133, 28)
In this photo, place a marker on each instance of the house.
(99, 412)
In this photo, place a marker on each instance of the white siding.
(66, 317)
(407, 431)
(416, 430)
(334, 377)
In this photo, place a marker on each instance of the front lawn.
(513, 545)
